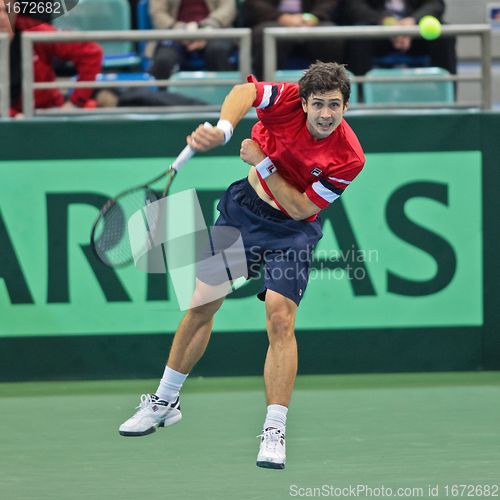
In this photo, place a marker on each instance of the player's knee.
(280, 325)
(204, 312)
(280, 317)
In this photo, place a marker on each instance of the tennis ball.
(310, 18)
(430, 27)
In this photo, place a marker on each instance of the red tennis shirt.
(320, 168)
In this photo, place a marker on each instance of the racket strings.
(111, 237)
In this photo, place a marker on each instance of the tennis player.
(303, 155)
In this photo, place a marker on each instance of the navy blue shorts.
(276, 245)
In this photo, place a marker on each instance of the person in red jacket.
(86, 56)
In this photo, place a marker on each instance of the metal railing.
(243, 37)
(240, 35)
(4, 75)
(272, 35)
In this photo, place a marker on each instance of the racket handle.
(186, 154)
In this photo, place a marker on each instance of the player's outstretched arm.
(236, 105)
(297, 204)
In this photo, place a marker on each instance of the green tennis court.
(59, 440)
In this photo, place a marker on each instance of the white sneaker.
(151, 414)
(272, 453)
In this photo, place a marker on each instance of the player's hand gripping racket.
(109, 236)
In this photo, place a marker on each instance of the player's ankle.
(170, 385)
(276, 417)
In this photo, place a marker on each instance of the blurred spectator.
(6, 20)
(260, 14)
(360, 54)
(86, 56)
(133, 13)
(190, 15)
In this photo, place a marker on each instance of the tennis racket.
(109, 237)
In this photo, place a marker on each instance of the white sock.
(170, 385)
(276, 417)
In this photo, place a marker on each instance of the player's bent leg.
(190, 342)
(193, 333)
(280, 370)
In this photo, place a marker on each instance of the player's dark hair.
(323, 77)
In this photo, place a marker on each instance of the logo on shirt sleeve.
(316, 171)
